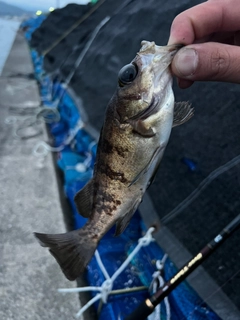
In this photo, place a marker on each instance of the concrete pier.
(29, 201)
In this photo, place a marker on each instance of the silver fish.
(137, 126)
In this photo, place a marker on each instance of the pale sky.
(43, 4)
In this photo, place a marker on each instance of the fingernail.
(186, 61)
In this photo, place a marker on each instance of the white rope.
(91, 302)
(45, 113)
(107, 285)
(142, 242)
(158, 282)
(42, 148)
(101, 265)
(82, 166)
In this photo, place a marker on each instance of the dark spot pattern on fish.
(113, 175)
(104, 208)
(107, 209)
(108, 148)
(106, 203)
(121, 151)
(104, 196)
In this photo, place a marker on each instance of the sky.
(42, 4)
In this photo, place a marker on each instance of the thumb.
(208, 61)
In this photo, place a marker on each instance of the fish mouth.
(168, 52)
(148, 111)
(173, 48)
(150, 47)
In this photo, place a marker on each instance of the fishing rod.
(148, 306)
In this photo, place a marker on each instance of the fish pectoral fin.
(182, 113)
(122, 223)
(140, 127)
(145, 169)
(84, 199)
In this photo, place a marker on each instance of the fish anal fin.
(123, 222)
(183, 111)
(72, 250)
(84, 199)
(140, 127)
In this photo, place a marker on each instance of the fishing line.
(47, 111)
(75, 48)
(74, 26)
(57, 74)
(51, 114)
(82, 55)
(42, 147)
(86, 48)
(90, 41)
(186, 202)
(214, 293)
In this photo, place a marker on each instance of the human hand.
(211, 34)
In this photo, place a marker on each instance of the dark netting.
(195, 149)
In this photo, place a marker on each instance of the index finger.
(205, 19)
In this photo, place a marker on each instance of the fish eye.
(127, 74)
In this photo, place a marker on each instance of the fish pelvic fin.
(183, 111)
(84, 200)
(72, 250)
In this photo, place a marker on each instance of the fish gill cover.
(210, 140)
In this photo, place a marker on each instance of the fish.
(136, 129)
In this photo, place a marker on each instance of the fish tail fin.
(72, 250)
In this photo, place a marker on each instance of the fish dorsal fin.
(182, 113)
(123, 222)
(84, 199)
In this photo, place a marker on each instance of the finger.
(222, 37)
(205, 19)
(208, 61)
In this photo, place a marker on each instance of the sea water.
(8, 30)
